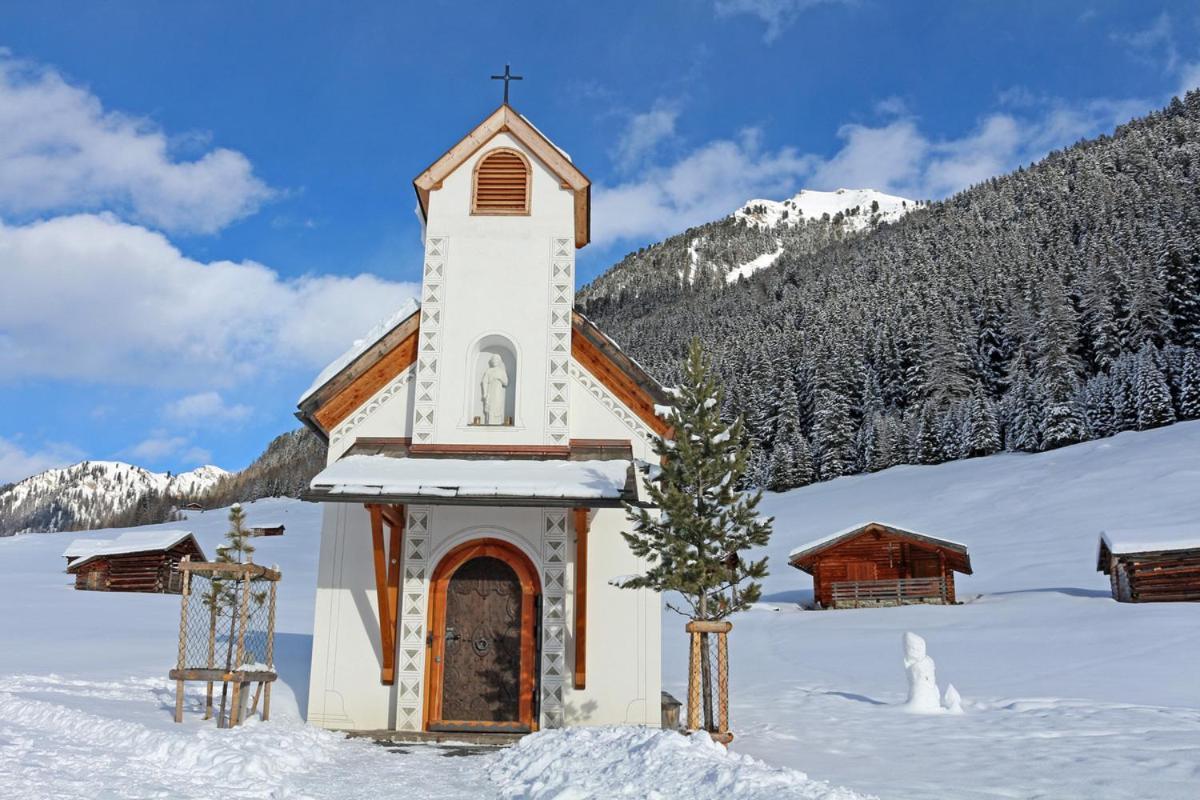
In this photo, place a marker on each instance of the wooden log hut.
(875, 564)
(1150, 569)
(137, 561)
(267, 529)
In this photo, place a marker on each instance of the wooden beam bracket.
(581, 558)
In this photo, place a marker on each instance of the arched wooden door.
(483, 646)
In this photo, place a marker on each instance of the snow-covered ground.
(873, 207)
(1067, 693)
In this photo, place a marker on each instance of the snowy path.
(68, 738)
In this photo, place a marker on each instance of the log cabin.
(875, 564)
(137, 561)
(267, 529)
(1151, 569)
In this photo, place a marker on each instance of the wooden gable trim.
(366, 375)
(506, 119)
(636, 390)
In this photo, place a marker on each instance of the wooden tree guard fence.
(718, 630)
(227, 636)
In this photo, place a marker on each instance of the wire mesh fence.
(229, 623)
(227, 635)
(708, 678)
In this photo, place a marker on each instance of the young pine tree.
(227, 593)
(693, 544)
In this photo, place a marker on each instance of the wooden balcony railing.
(854, 594)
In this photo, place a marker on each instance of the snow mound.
(579, 763)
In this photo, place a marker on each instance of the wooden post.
(266, 712)
(235, 711)
(183, 610)
(720, 629)
(387, 647)
(581, 558)
(693, 715)
(723, 680)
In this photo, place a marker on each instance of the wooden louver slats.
(501, 184)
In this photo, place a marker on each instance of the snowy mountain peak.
(75, 497)
(859, 209)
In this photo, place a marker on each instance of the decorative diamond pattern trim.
(430, 339)
(593, 387)
(377, 401)
(410, 667)
(562, 298)
(554, 614)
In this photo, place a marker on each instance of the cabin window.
(501, 183)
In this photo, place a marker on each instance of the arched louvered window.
(501, 183)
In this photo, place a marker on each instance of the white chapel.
(481, 445)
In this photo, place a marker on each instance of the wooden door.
(482, 663)
(861, 571)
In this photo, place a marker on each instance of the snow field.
(1067, 694)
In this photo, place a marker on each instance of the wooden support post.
(183, 611)
(581, 573)
(723, 681)
(244, 615)
(386, 631)
(693, 717)
(394, 516)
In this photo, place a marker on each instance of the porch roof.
(484, 481)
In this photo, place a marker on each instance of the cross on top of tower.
(506, 77)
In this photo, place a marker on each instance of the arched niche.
(493, 369)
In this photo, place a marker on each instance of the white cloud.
(644, 133)
(90, 297)
(204, 407)
(705, 184)
(62, 151)
(160, 446)
(777, 14)
(894, 156)
(1155, 42)
(17, 463)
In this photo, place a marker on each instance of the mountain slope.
(100, 494)
(91, 493)
(749, 239)
(1052, 305)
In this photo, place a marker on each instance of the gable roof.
(385, 352)
(505, 119)
(803, 556)
(87, 550)
(1124, 543)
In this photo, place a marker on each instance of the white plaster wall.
(597, 414)
(497, 281)
(344, 690)
(624, 666)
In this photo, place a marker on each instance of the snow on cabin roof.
(271, 524)
(824, 540)
(372, 475)
(360, 346)
(132, 542)
(1151, 539)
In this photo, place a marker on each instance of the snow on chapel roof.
(360, 346)
(381, 475)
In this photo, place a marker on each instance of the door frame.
(435, 649)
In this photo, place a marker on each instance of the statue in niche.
(494, 388)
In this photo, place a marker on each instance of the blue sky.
(201, 204)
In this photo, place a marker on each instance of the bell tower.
(504, 210)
